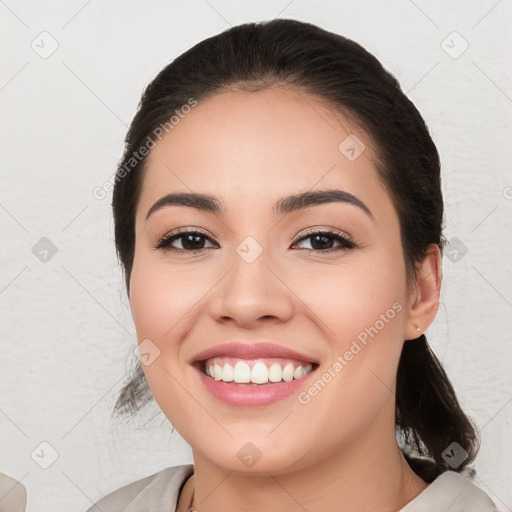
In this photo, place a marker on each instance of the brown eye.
(191, 241)
(322, 241)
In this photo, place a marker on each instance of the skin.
(339, 451)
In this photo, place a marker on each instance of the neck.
(360, 476)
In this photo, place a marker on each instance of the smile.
(261, 382)
(260, 371)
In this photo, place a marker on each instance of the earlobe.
(423, 309)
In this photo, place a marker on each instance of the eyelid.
(323, 229)
(183, 230)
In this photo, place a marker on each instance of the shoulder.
(155, 493)
(14, 494)
(452, 492)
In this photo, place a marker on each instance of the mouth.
(254, 372)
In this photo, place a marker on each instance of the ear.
(424, 296)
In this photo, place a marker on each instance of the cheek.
(161, 303)
(360, 310)
(347, 299)
(161, 299)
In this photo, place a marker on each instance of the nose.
(252, 294)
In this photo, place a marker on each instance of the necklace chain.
(190, 507)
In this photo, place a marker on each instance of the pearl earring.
(418, 329)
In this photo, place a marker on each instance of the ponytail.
(429, 416)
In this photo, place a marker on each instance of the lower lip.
(250, 395)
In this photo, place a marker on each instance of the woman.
(278, 215)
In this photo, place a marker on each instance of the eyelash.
(346, 242)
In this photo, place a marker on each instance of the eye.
(322, 241)
(190, 239)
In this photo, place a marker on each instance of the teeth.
(260, 373)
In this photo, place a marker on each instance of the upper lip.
(252, 350)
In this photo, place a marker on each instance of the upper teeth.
(260, 373)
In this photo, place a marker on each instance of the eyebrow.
(283, 206)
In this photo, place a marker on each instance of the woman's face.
(251, 275)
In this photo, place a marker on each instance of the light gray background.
(66, 330)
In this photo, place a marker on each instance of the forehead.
(245, 147)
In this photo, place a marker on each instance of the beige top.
(13, 495)
(449, 492)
